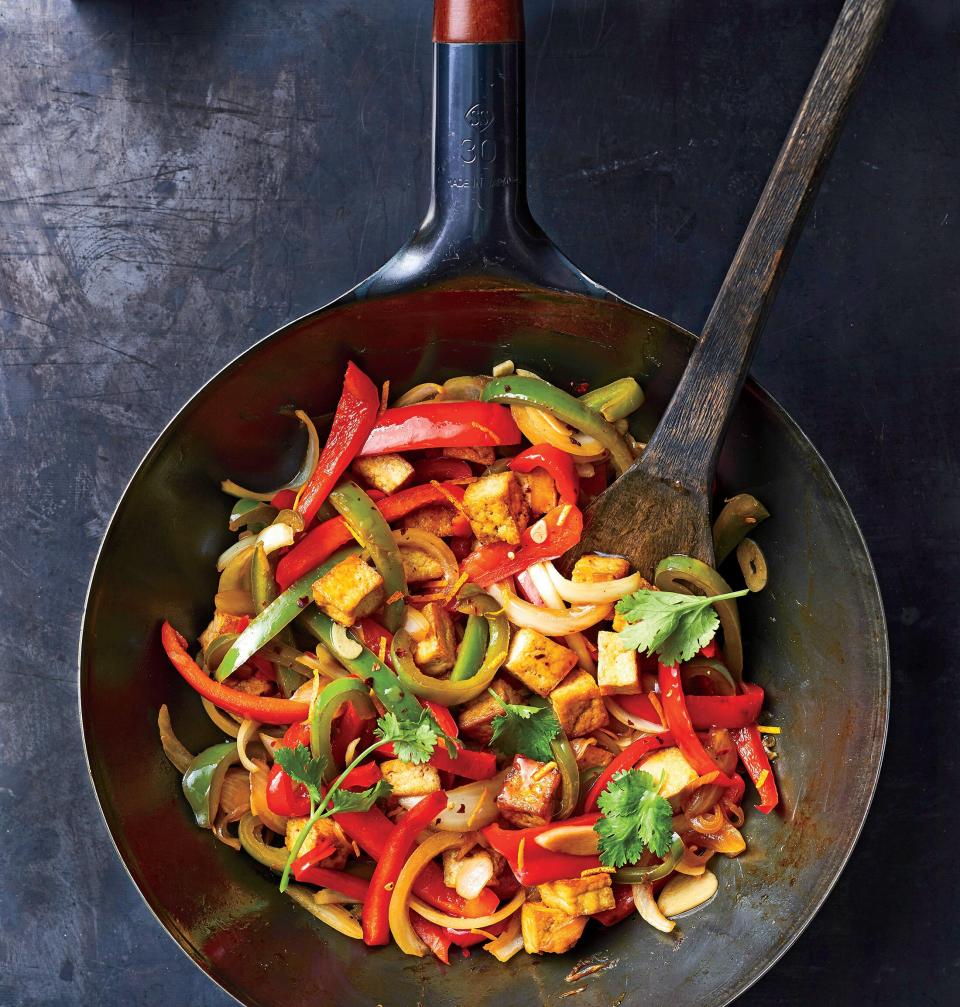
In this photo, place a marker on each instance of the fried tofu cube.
(479, 456)
(419, 566)
(529, 792)
(549, 930)
(677, 773)
(324, 831)
(539, 662)
(468, 871)
(579, 896)
(434, 518)
(350, 591)
(539, 490)
(476, 717)
(618, 670)
(594, 569)
(588, 753)
(408, 779)
(221, 624)
(251, 686)
(386, 473)
(437, 651)
(578, 704)
(496, 509)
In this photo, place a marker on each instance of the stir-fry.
(436, 736)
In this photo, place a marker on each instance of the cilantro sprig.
(675, 626)
(635, 818)
(524, 729)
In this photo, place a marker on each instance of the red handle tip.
(478, 21)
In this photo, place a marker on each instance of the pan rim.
(751, 387)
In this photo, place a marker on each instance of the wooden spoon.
(661, 505)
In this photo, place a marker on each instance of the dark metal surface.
(163, 180)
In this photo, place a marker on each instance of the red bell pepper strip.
(376, 926)
(467, 938)
(265, 709)
(435, 937)
(627, 759)
(539, 865)
(681, 727)
(425, 470)
(372, 830)
(339, 881)
(710, 651)
(706, 711)
(593, 486)
(284, 499)
(754, 757)
(469, 764)
(623, 906)
(284, 797)
(362, 777)
(528, 589)
(349, 726)
(495, 562)
(556, 463)
(312, 858)
(353, 420)
(443, 717)
(441, 425)
(323, 541)
(372, 633)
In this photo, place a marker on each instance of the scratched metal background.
(176, 179)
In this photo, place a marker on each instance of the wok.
(479, 282)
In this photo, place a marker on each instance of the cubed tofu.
(618, 670)
(594, 569)
(437, 651)
(323, 831)
(676, 771)
(588, 753)
(539, 662)
(539, 490)
(496, 509)
(251, 686)
(350, 591)
(578, 704)
(550, 930)
(467, 871)
(419, 566)
(221, 624)
(435, 518)
(476, 717)
(408, 779)
(479, 456)
(579, 896)
(386, 473)
(528, 797)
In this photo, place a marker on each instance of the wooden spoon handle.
(686, 443)
(478, 21)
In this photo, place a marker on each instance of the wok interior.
(815, 641)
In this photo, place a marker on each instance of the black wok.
(477, 284)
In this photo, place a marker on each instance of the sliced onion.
(480, 794)
(504, 368)
(438, 550)
(419, 393)
(258, 799)
(234, 603)
(551, 598)
(416, 623)
(549, 621)
(268, 741)
(236, 574)
(343, 644)
(328, 897)
(464, 388)
(637, 723)
(226, 723)
(400, 901)
(684, 893)
(649, 910)
(322, 662)
(251, 839)
(540, 427)
(234, 803)
(608, 590)
(248, 727)
(309, 463)
(238, 548)
(178, 755)
(334, 916)
(473, 923)
(508, 943)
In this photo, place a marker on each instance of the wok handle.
(478, 21)
(687, 440)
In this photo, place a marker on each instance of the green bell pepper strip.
(636, 875)
(683, 574)
(569, 774)
(253, 513)
(615, 401)
(322, 713)
(523, 391)
(473, 646)
(370, 529)
(367, 667)
(263, 590)
(204, 778)
(216, 650)
(740, 515)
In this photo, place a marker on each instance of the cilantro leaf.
(358, 800)
(298, 764)
(413, 741)
(524, 730)
(635, 818)
(675, 626)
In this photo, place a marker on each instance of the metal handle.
(687, 440)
